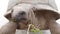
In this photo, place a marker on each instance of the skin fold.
(47, 20)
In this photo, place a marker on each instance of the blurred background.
(7, 4)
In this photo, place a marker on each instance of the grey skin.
(9, 28)
(47, 20)
(20, 17)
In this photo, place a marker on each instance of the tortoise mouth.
(23, 25)
(20, 20)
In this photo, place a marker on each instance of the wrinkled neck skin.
(44, 17)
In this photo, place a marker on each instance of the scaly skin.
(9, 28)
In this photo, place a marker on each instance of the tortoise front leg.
(54, 27)
(9, 28)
